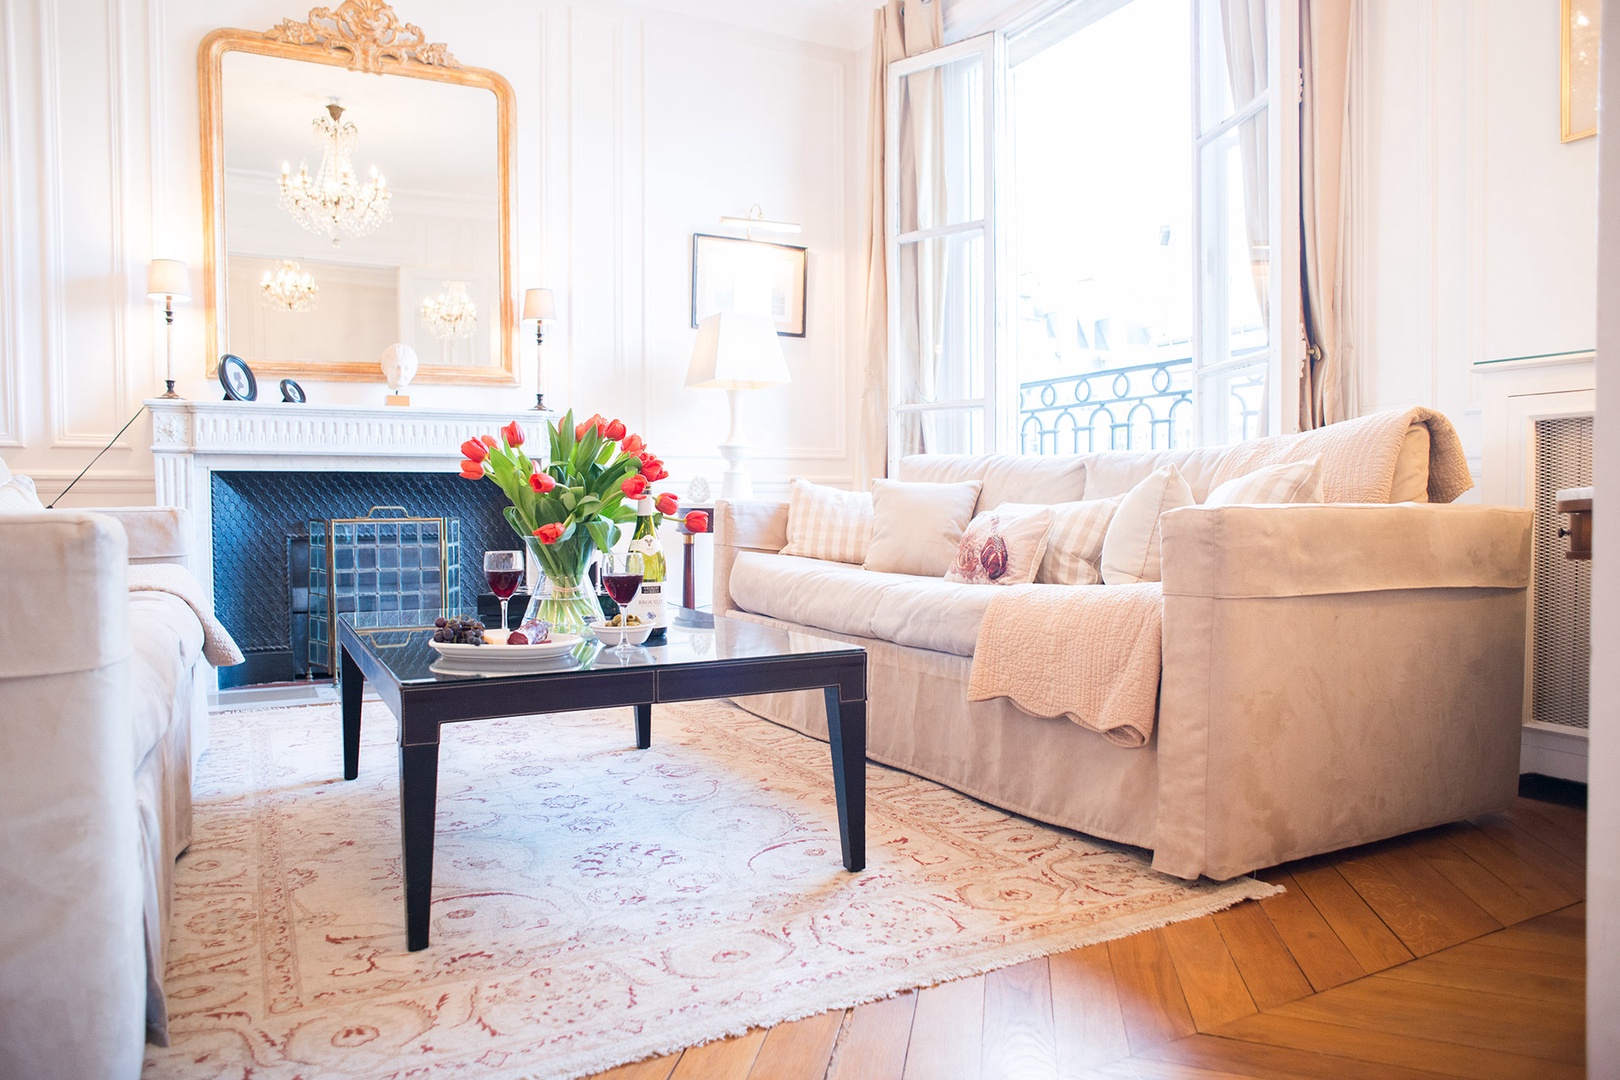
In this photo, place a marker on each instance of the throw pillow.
(1002, 547)
(827, 523)
(1131, 549)
(1294, 482)
(1074, 546)
(17, 497)
(916, 527)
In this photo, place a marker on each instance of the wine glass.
(503, 570)
(621, 577)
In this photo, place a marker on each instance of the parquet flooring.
(1454, 952)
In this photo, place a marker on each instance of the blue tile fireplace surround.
(260, 547)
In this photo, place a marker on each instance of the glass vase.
(565, 599)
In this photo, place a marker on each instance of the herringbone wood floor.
(1456, 952)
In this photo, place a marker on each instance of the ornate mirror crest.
(362, 36)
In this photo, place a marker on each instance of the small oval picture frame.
(237, 379)
(292, 392)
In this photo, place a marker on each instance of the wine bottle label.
(648, 606)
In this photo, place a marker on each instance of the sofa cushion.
(1002, 547)
(168, 642)
(922, 612)
(1295, 482)
(1015, 478)
(917, 527)
(1411, 483)
(827, 523)
(17, 496)
(1074, 546)
(1131, 548)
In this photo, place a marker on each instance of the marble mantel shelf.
(376, 437)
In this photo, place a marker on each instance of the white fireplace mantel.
(193, 439)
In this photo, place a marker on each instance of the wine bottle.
(648, 606)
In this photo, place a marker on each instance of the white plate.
(491, 653)
(536, 666)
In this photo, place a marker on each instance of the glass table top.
(400, 641)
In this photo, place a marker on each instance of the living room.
(1324, 812)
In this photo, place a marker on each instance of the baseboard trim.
(1546, 750)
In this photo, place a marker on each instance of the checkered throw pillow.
(826, 523)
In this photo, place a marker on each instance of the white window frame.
(990, 48)
(1285, 349)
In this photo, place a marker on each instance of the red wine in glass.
(503, 583)
(622, 587)
(503, 570)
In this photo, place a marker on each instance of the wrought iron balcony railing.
(1143, 407)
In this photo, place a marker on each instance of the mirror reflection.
(360, 210)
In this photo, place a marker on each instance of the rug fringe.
(1218, 898)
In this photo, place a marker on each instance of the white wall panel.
(636, 126)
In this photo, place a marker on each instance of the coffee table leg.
(846, 728)
(418, 794)
(354, 687)
(643, 726)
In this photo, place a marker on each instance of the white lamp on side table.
(167, 280)
(736, 352)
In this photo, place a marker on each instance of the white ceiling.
(423, 135)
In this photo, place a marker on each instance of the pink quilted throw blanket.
(1090, 653)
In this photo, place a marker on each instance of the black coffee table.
(390, 649)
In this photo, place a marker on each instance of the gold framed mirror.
(357, 185)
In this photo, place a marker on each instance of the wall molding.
(12, 349)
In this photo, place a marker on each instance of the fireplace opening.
(261, 552)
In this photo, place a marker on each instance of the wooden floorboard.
(1454, 952)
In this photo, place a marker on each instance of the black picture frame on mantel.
(237, 379)
(292, 393)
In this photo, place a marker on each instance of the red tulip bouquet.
(571, 505)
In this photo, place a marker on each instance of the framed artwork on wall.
(1578, 54)
(733, 274)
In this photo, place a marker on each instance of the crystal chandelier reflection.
(335, 200)
(289, 286)
(451, 314)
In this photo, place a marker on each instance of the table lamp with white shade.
(736, 352)
(541, 306)
(167, 280)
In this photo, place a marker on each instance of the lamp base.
(402, 400)
(737, 482)
(168, 391)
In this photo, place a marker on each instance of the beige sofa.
(1332, 674)
(103, 705)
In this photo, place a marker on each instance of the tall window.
(1084, 216)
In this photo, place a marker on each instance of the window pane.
(1103, 197)
(939, 431)
(941, 145)
(1233, 402)
(1232, 57)
(939, 338)
(1236, 244)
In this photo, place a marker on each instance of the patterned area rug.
(592, 904)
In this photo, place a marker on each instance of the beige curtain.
(1327, 391)
(1243, 28)
(900, 28)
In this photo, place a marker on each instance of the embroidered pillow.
(1295, 482)
(916, 527)
(827, 523)
(1131, 549)
(1074, 546)
(1002, 547)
